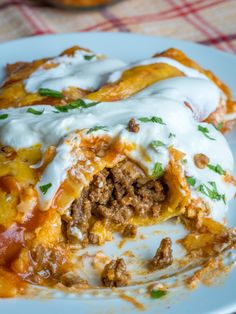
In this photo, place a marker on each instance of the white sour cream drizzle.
(90, 74)
(75, 70)
(202, 95)
(196, 88)
(22, 129)
(190, 72)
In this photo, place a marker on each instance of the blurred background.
(209, 22)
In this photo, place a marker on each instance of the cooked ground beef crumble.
(114, 196)
(115, 274)
(130, 231)
(163, 257)
(133, 126)
(71, 279)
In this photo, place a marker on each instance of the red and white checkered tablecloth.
(210, 22)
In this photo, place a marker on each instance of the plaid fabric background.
(210, 22)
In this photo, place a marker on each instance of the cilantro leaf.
(79, 103)
(89, 57)
(219, 126)
(205, 132)
(184, 161)
(191, 181)
(97, 128)
(50, 93)
(3, 116)
(156, 144)
(33, 111)
(223, 198)
(217, 168)
(45, 188)
(171, 135)
(157, 294)
(157, 170)
(152, 119)
(211, 191)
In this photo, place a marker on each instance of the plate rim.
(123, 34)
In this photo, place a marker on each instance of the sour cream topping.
(87, 71)
(161, 119)
(202, 95)
(190, 72)
(83, 70)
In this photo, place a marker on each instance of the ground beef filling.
(115, 274)
(114, 196)
(163, 257)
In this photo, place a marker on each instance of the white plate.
(217, 299)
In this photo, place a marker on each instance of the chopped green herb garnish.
(213, 184)
(223, 198)
(157, 170)
(152, 119)
(219, 126)
(44, 188)
(3, 116)
(184, 161)
(89, 57)
(217, 168)
(64, 108)
(211, 192)
(156, 144)
(191, 181)
(156, 294)
(50, 93)
(97, 128)
(205, 132)
(79, 103)
(33, 111)
(171, 135)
